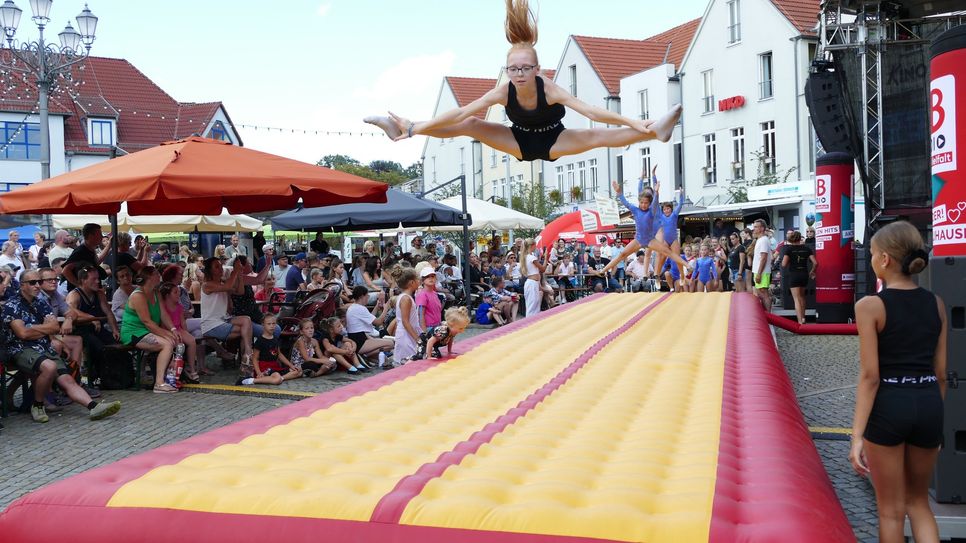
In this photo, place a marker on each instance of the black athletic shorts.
(906, 414)
(797, 279)
(536, 144)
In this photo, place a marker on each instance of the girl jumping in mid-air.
(705, 270)
(647, 230)
(668, 220)
(535, 105)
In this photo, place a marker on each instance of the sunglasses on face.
(34, 282)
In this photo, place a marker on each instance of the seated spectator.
(65, 342)
(265, 294)
(94, 322)
(29, 325)
(566, 272)
(487, 314)
(9, 286)
(10, 259)
(146, 326)
(125, 287)
(336, 277)
(361, 323)
(307, 354)
(268, 259)
(372, 280)
(335, 345)
(293, 277)
(215, 319)
(271, 366)
(243, 302)
(637, 273)
(507, 302)
(316, 280)
(600, 283)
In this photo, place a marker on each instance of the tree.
(385, 171)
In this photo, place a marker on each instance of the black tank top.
(907, 342)
(91, 306)
(543, 116)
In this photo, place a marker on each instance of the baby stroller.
(318, 305)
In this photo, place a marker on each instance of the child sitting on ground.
(271, 366)
(487, 314)
(435, 337)
(307, 354)
(334, 346)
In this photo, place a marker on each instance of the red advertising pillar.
(834, 236)
(947, 267)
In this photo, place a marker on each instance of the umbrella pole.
(113, 262)
(466, 248)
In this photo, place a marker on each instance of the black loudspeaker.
(947, 277)
(826, 106)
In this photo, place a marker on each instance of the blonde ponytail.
(521, 25)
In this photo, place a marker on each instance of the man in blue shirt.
(29, 324)
(293, 278)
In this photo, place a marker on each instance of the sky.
(325, 64)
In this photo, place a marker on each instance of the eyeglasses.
(34, 282)
(516, 70)
(50, 280)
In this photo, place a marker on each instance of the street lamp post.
(44, 61)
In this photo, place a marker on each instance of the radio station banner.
(947, 123)
(834, 230)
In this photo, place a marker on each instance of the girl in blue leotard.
(648, 232)
(669, 224)
(704, 269)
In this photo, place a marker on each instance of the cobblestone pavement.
(823, 370)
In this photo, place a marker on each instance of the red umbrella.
(193, 176)
(570, 227)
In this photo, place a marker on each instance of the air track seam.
(391, 506)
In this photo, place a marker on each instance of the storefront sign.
(607, 209)
(733, 102)
(780, 190)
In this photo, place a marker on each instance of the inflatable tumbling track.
(623, 417)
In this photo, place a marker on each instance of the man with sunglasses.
(29, 324)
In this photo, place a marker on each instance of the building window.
(593, 175)
(646, 163)
(708, 91)
(19, 141)
(582, 179)
(768, 146)
(573, 79)
(462, 160)
(734, 21)
(710, 159)
(570, 182)
(642, 100)
(217, 132)
(492, 158)
(560, 181)
(765, 76)
(738, 153)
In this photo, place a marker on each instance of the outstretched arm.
(557, 95)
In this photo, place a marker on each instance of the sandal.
(164, 388)
(190, 379)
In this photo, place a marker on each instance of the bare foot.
(386, 124)
(664, 126)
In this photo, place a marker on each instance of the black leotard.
(536, 130)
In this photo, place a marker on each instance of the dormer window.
(218, 132)
(101, 132)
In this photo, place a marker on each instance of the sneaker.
(105, 409)
(382, 359)
(38, 413)
(91, 391)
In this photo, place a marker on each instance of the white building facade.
(745, 118)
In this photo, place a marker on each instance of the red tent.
(570, 227)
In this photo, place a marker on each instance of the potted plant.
(576, 192)
(555, 197)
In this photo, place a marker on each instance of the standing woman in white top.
(531, 268)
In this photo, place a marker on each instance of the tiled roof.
(110, 87)
(614, 59)
(467, 89)
(802, 13)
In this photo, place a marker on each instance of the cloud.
(323, 9)
(411, 84)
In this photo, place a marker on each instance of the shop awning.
(725, 209)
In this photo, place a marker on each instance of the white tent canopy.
(489, 216)
(148, 224)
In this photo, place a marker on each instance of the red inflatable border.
(771, 485)
(812, 329)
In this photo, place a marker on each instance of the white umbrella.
(489, 216)
(164, 223)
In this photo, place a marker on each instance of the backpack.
(118, 370)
